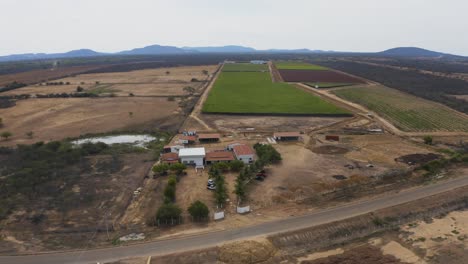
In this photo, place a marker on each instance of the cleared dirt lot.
(43, 89)
(267, 123)
(160, 75)
(463, 97)
(57, 118)
(152, 82)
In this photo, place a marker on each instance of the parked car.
(211, 181)
(260, 178)
(211, 187)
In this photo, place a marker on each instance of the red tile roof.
(243, 150)
(287, 134)
(189, 138)
(219, 156)
(170, 157)
(209, 136)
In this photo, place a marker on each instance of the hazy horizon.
(54, 26)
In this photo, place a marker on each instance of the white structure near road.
(192, 156)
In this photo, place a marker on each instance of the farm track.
(199, 105)
(275, 75)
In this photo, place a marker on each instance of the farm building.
(192, 156)
(175, 149)
(244, 153)
(230, 146)
(187, 139)
(332, 138)
(205, 138)
(170, 158)
(219, 156)
(258, 62)
(287, 136)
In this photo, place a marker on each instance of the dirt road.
(198, 107)
(198, 241)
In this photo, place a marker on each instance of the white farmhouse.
(244, 153)
(192, 156)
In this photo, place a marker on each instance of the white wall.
(246, 158)
(197, 160)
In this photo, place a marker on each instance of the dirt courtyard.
(267, 123)
(58, 118)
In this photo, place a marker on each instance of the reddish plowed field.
(317, 76)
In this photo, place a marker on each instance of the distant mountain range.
(168, 50)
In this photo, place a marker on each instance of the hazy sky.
(345, 25)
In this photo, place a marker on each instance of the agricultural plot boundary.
(253, 93)
(406, 112)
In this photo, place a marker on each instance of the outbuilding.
(244, 153)
(219, 156)
(174, 149)
(169, 158)
(231, 146)
(192, 156)
(187, 139)
(287, 136)
(207, 138)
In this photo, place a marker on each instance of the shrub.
(169, 193)
(5, 135)
(168, 212)
(236, 165)
(222, 166)
(198, 210)
(428, 140)
(178, 168)
(267, 154)
(161, 169)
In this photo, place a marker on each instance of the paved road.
(214, 238)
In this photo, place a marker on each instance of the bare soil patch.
(269, 123)
(414, 159)
(365, 254)
(463, 97)
(45, 89)
(159, 75)
(330, 150)
(57, 118)
(381, 148)
(325, 76)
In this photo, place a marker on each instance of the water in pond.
(136, 140)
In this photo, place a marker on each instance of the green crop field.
(407, 112)
(255, 93)
(328, 85)
(244, 67)
(292, 65)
